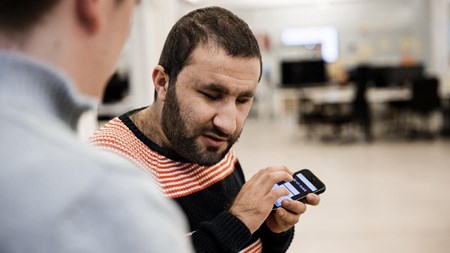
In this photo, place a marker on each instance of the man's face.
(205, 110)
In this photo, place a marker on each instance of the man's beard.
(184, 141)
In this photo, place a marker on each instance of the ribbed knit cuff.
(230, 232)
(276, 242)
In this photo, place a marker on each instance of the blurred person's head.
(83, 38)
(205, 83)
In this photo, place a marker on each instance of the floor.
(384, 196)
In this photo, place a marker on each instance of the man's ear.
(160, 81)
(88, 14)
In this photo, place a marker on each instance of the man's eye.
(211, 96)
(242, 100)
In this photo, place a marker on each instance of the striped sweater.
(205, 193)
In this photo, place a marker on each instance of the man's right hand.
(255, 200)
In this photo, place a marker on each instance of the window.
(326, 36)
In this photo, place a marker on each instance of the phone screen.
(298, 188)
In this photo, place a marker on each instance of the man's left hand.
(285, 217)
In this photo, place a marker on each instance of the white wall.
(376, 32)
(152, 22)
(440, 50)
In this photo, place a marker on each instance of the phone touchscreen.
(298, 188)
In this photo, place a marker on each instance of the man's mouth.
(214, 140)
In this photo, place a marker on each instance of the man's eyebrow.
(215, 87)
(247, 94)
(222, 89)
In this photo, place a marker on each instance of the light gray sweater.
(58, 194)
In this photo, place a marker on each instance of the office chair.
(311, 116)
(425, 101)
(116, 89)
(359, 113)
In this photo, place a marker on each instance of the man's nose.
(225, 119)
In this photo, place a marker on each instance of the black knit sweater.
(205, 194)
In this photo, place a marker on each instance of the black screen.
(303, 73)
(403, 75)
(384, 76)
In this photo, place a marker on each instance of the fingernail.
(286, 201)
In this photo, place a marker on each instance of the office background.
(373, 31)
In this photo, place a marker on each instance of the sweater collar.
(27, 83)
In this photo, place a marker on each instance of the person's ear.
(160, 81)
(88, 14)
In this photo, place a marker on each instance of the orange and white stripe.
(255, 247)
(176, 179)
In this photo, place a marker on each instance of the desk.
(288, 99)
(335, 94)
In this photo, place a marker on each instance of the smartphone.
(304, 182)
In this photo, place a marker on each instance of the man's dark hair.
(211, 25)
(18, 16)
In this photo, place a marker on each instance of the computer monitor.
(402, 75)
(384, 76)
(303, 73)
(378, 76)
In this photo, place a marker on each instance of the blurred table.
(288, 99)
(336, 94)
